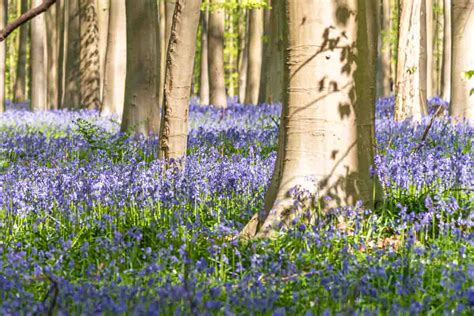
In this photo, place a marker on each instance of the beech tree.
(326, 135)
(254, 55)
(218, 96)
(462, 98)
(38, 59)
(179, 74)
(116, 59)
(243, 55)
(410, 93)
(141, 107)
(204, 74)
(446, 63)
(19, 94)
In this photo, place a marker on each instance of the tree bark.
(72, 42)
(446, 64)
(116, 60)
(243, 56)
(204, 75)
(38, 62)
(217, 90)
(255, 56)
(53, 54)
(141, 110)
(275, 84)
(462, 100)
(162, 47)
(3, 54)
(385, 56)
(103, 12)
(20, 78)
(410, 94)
(179, 74)
(327, 125)
(430, 58)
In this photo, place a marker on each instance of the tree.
(204, 74)
(141, 108)
(72, 42)
(255, 55)
(243, 55)
(446, 64)
(462, 98)
(179, 74)
(38, 62)
(430, 58)
(327, 125)
(166, 22)
(216, 54)
(52, 44)
(103, 14)
(116, 60)
(384, 77)
(3, 55)
(19, 94)
(410, 93)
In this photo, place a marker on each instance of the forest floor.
(91, 222)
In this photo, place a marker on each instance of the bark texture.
(204, 75)
(217, 91)
(3, 23)
(103, 13)
(243, 56)
(19, 94)
(141, 110)
(275, 82)
(384, 78)
(446, 63)
(72, 44)
(430, 58)
(38, 61)
(116, 60)
(255, 56)
(462, 101)
(179, 74)
(52, 37)
(410, 94)
(162, 48)
(327, 124)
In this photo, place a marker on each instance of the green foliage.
(469, 75)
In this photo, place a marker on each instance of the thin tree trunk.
(327, 124)
(204, 74)
(103, 12)
(179, 74)
(275, 84)
(446, 66)
(230, 61)
(217, 90)
(116, 60)
(162, 47)
(53, 55)
(266, 55)
(3, 55)
(20, 78)
(243, 56)
(255, 56)
(462, 98)
(385, 53)
(72, 42)
(430, 57)
(410, 95)
(141, 110)
(90, 56)
(38, 61)
(61, 20)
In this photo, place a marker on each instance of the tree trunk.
(327, 126)
(162, 47)
(60, 25)
(20, 78)
(204, 75)
(179, 74)
(255, 56)
(38, 61)
(216, 55)
(53, 54)
(275, 84)
(430, 57)
(90, 56)
(103, 12)
(141, 110)
(116, 60)
(462, 98)
(385, 57)
(243, 56)
(72, 42)
(3, 54)
(446, 66)
(410, 95)
(266, 55)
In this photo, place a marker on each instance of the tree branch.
(25, 17)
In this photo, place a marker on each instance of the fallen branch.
(25, 17)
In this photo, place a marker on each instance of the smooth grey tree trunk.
(179, 74)
(446, 64)
(327, 126)
(116, 60)
(72, 44)
(38, 61)
(20, 78)
(384, 78)
(430, 58)
(204, 75)
(52, 38)
(162, 47)
(410, 93)
(255, 56)
(462, 100)
(275, 84)
(141, 108)
(243, 56)
(217, 92)
(266, 55)
(3, 60)
(103, 13)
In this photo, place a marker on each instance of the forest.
(237, 157)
